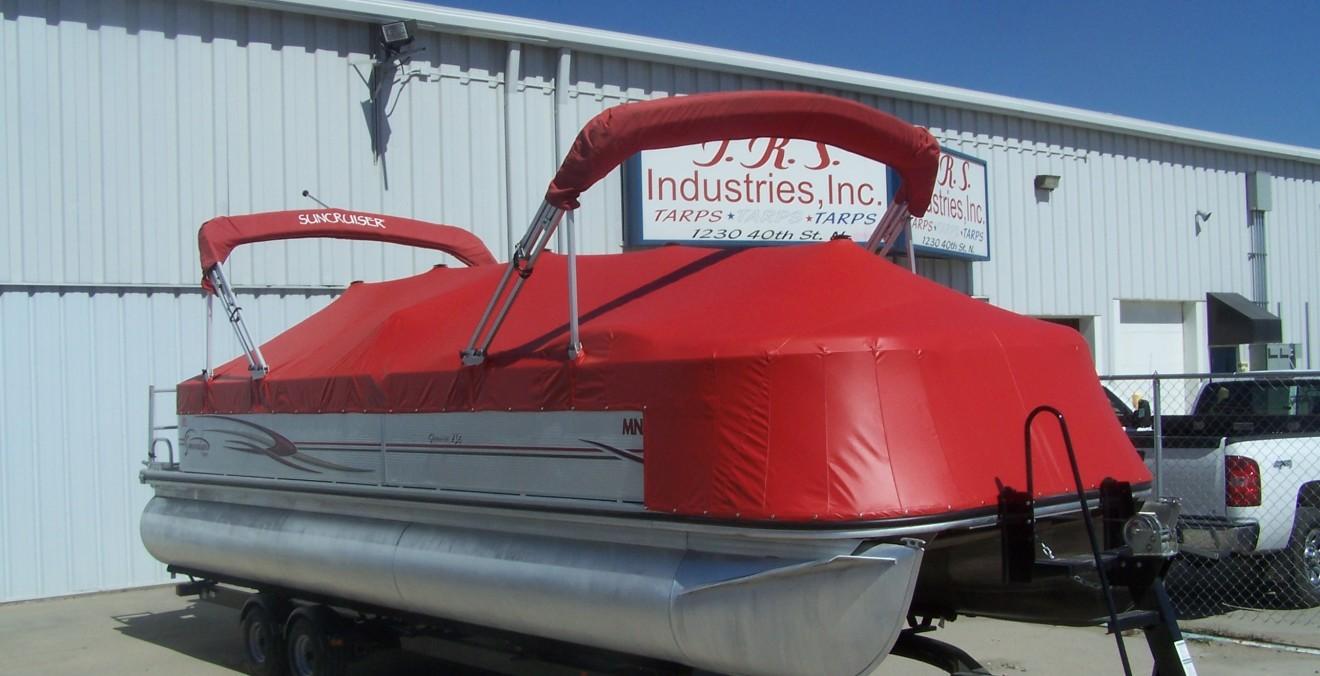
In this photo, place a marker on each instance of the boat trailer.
(1139, 544)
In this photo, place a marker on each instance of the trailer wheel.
(1301, 561)
(263, 647)
(314, 646)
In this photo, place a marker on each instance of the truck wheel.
(1301, 561)
(314, 647)
(263, 647)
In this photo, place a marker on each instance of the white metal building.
(125, 124)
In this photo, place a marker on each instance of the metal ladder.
(1138, 548)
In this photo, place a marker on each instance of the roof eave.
(482, 24)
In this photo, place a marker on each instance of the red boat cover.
(619, 132)
(221, 235)
(813, 382)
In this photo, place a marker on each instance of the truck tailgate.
(1193, 472)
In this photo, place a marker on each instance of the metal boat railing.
(152, 428)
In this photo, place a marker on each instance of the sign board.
(957, 224)
(783, 191)
(758, 191)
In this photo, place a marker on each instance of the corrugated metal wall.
(126, 123)
(139, 120)
(74, 371)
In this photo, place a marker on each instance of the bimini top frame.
(219, 236)
(619, 132)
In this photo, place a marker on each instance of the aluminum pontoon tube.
(746, 614)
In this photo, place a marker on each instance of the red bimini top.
(222, 234)
(619, 132)
(802, 383)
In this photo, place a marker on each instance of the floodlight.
(398, 33)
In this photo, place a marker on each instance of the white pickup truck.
(1246, 466)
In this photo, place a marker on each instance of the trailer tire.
(1301, 560)
(314, 645)
(263, 646)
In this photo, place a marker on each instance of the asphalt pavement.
(152, 631)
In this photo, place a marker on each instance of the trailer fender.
(278, 607)
(322, 616)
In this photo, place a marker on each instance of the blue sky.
(1245, 68)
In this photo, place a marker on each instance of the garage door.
(1149, 338)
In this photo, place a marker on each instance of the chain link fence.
(1241, 453)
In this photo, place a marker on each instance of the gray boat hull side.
(345, 556)
(834, 616)
(749, 614)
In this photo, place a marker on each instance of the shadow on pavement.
(201, 631)
(210, 633)
(1206, 589)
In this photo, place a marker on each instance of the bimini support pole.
(574, 339)
(911, 247)
(886, 232)
(523, 262)
(256, 362)
(210, 330)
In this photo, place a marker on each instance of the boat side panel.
(570, 454)
(594, 455)
(344, 448)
